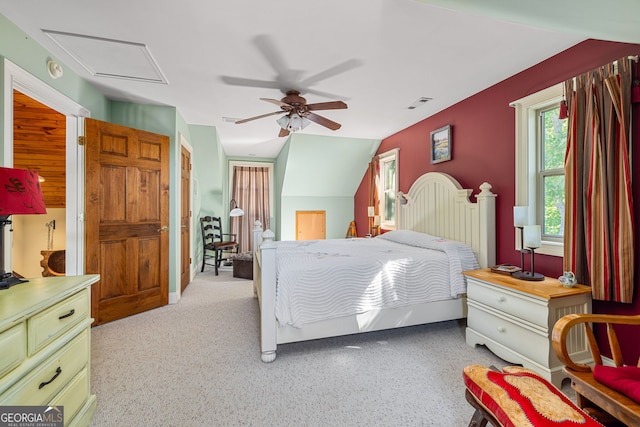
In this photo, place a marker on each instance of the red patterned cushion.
(519, 397)
(625, 379)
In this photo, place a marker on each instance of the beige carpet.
(197, 363)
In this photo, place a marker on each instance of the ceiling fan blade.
(332, 71)
(283, 132)
(277, 102)
(239, 81)
(323, 121)
(238, 122)
(332, 105)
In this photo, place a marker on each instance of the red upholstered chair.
(216, 244)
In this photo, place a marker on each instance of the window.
(388, 188)
(551, 143)
(540, 146)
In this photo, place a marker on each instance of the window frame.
(543, 173)
(526, 179)
(386, 157)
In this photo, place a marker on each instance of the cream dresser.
(45, 346)
(514, 319)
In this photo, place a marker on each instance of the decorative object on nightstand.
(507, 269)
(514, 319)
(530, 240)
(568, 279)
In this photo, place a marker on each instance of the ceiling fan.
(298, 113)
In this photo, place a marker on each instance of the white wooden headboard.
(438, 205)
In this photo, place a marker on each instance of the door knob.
(163, 228)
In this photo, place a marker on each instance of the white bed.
(435, 205)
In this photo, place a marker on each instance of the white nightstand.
(514, 319)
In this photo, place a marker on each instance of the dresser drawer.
(13, 343)
(39, 386)
(47, 325)
(73, 396)
(530, 342)
(523, 306)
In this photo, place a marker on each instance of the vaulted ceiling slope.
(214, 60)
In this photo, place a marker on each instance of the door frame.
(184, 143)
(21, 80)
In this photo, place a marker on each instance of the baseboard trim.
(174, 297)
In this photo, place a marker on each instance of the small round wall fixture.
(54, 69)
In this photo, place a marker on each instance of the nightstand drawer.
(522, 306)
(39, 387)
(47, 325)
(533, 344)
(13, 343)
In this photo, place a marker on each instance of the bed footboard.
(264, 286)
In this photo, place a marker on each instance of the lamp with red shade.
(20, 193)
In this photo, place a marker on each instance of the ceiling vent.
(133, 61)
(420, 101)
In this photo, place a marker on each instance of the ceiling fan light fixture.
(296, 122)
(293, 122)
(283, 122)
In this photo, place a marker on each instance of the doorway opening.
(71, 114)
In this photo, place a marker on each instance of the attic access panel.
(110, 58)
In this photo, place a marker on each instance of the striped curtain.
(250, 189)
(598, 242)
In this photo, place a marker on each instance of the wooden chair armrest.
(563, 326)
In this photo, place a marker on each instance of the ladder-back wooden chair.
(216, 244)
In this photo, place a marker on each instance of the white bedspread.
(323, 279)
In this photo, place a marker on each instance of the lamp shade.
(283, 122)
(532, 236)
(235, 210)
(520, 216)
(20, 192)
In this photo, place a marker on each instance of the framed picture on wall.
(440, 144)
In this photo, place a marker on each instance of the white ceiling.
(379, 56)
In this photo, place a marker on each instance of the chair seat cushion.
(625, 379)
(225, 245)
(519, 397)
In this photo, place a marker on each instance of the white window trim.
(389, 225)
(526, 123)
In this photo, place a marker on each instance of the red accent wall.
(483, 149)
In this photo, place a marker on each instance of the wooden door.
(127, 218)
(310, 225)
(185, 218)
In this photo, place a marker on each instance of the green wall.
(320, 173)
(210, 175)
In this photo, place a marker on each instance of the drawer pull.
(502, 329)
(502, 299)
(58, 372)
(69, 314)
